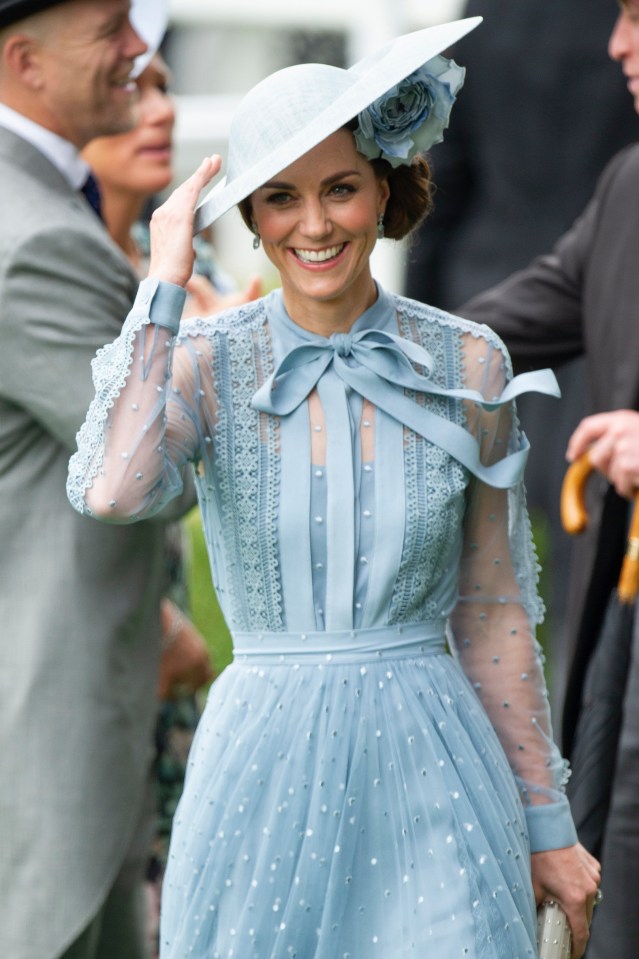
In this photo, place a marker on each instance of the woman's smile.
(314, 258)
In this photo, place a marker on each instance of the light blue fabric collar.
(287, 334)
(380, 366)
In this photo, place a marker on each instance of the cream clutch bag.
(553, 932)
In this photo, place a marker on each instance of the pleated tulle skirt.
(348, 808)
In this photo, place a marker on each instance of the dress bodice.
(330, 482)
(368, 480)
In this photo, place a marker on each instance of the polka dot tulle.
(361, 809)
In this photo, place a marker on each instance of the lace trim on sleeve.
(111, 368)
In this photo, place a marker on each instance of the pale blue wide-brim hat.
(292, 110)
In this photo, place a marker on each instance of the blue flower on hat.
(412, 116)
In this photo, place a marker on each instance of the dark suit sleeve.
(538, 310)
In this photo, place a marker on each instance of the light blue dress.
(371, 772)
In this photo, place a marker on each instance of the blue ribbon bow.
(380, 366)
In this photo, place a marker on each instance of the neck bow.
(380, 366)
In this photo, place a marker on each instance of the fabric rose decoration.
(410, 117)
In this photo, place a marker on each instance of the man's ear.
(22, 59)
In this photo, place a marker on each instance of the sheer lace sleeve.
(498, 608)
(150, 415)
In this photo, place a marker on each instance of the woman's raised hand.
(172, 255)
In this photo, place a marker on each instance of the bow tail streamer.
(450, 437)
(295, 536)
(340, 529)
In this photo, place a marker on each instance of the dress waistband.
(342, 646)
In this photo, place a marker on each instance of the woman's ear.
(384, 190)
(246, 212)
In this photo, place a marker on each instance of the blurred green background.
(205, 612)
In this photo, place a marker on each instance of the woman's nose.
(156, 108)
(315, 221)
(163, 108)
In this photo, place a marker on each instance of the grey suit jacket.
(583, 299)
(78, 599)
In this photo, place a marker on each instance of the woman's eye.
(342, 189)
(278, 198)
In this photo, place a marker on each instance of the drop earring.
(256, 236)
(380, 227)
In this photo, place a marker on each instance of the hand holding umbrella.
(594, 752)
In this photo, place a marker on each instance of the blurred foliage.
(205, 611)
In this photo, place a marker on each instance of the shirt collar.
(60, 152)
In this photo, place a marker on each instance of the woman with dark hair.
(375, 768)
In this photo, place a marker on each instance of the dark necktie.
(91, 191)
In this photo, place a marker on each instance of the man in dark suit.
(543, 110)
(79, 601)
(583, 300)
(541, 113)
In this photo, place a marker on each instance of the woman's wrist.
(174, 277)
(162, 302)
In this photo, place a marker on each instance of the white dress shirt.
(63, 154)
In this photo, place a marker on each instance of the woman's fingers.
(190, 190)
(570, 876)
(172, 253)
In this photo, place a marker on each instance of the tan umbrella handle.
(574, 518)
(628, 585)
(574, 515)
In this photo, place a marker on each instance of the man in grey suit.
(583, 299)
(79, 601)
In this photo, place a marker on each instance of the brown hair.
(411, 194)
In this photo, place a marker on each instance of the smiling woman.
(319, 224)
(354, 790)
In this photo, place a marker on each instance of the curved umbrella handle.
(628, 585)
(574, 515)
(574, 519)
